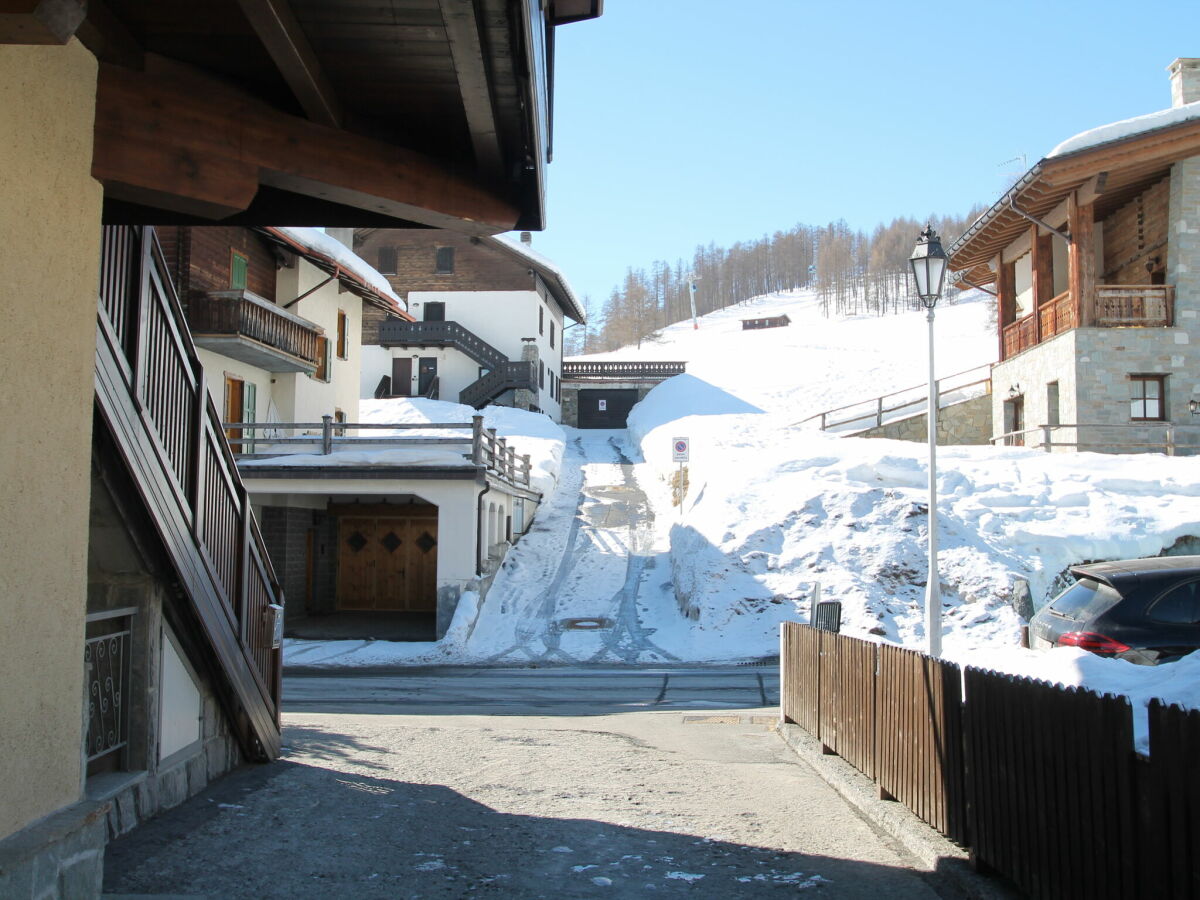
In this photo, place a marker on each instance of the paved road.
(543, 783)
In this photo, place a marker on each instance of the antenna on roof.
(1010, 176)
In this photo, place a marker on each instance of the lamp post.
(928, 262)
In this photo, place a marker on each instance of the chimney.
(1185, 81)
(527, 238)
(342, 236)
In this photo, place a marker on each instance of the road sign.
(680, 447)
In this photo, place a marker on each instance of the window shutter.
(249, 408)
(237, 271)
(322, 373)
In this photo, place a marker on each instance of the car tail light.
(1091, 641)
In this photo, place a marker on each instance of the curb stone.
(935, 853)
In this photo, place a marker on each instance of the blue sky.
(684, 122)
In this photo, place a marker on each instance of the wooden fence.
(1041, 782)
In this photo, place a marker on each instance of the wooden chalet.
(766, 322)
(140, 653)
(1093, 264)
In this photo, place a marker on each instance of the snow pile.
(1115, 131)
(772, 511)
(1177, 682)
(532, 434)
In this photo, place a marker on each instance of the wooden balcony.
(1116, 306)
(245, 327)
(1137, 305)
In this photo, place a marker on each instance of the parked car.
(1144, 610)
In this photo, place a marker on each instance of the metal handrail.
(879, 410)
(1169, 443)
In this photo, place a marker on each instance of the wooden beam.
(39, 21)
(1081, 256)
(279, 30)
(462, 31)
(177, 139)
(1089, 192)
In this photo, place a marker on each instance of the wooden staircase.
(151, 393)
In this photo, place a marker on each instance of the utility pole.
(692, 294)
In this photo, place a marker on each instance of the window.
(1146, 398)
(237, 271)
(339, 417)
(551, 333)
(1180, 605)
(445, 261)
(387, 260)
(342, 350)
(541, 374)
(541, 320)
(322, 372)
(435, 311)
(1052, 416)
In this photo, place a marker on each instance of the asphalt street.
(529, 783)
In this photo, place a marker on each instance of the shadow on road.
(295, 829)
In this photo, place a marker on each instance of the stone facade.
(968, 422)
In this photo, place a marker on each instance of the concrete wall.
(969, 422)
(50, 257)
(299, 397)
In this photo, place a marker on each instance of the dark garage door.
(605, 409)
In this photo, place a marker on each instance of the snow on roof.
(1115, 131)
(547, 267)
(321, 244)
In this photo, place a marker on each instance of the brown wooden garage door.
(388, 561)
(599, 408)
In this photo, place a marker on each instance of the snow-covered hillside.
(819, 363)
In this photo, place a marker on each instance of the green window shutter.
(237, 272)
(249, 406)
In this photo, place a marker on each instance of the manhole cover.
(585, 624)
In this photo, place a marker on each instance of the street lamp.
(928, 262)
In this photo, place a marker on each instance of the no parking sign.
(680, 447)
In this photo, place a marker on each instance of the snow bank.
(1177, 682)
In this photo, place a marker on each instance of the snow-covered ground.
(775, 508)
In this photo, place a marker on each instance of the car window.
(1181, 605)
(1085, 599)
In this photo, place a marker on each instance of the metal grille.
(106, 658)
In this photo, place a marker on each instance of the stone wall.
(968, 422)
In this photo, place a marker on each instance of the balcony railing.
(470, 440)
(248, 328)
(1117, 306)
(398, 333)
(622, 370)
(1020, 335)
(505, 377)
(1146, 305)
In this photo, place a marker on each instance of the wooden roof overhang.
(1106, 175)
(398, 113)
